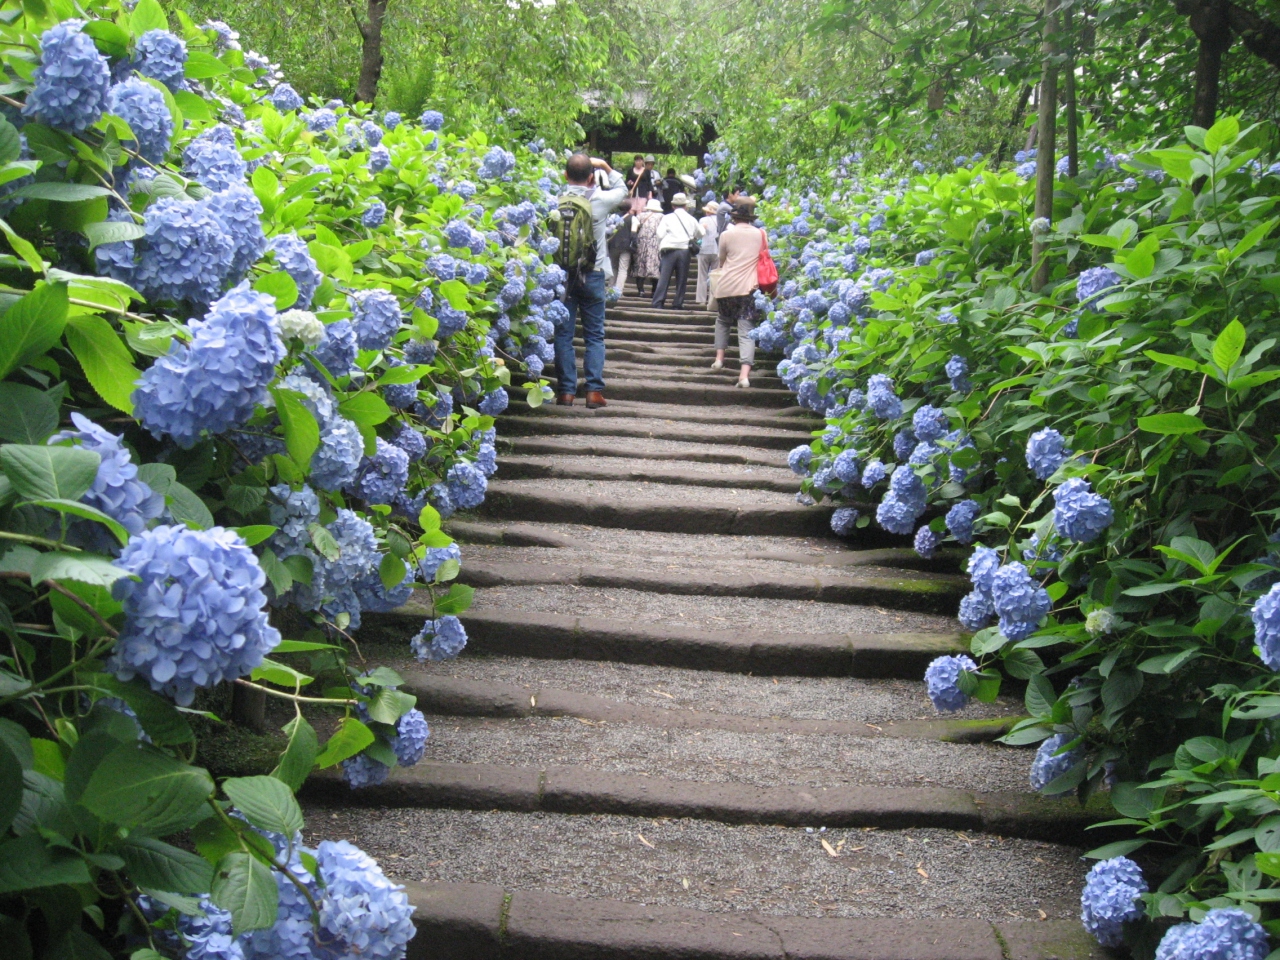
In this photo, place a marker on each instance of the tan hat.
(711, 207)
(680, 200)
(688, 181)
(653, 206)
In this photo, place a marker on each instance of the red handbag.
(766, 269)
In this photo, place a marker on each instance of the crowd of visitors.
(656, 239)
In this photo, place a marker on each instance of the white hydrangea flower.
(1100, 622)
(302, 324)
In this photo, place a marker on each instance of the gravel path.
(801, 698)
(781, 871)
(721, 756)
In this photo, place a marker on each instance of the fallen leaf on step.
(661, 694)
(920, 870)
(684, 882)
(964, 838)
(533, 701)
(875, 728)
(840, 845)
(856, 849)
(1043, 915)
(646, 842)
(831, 851)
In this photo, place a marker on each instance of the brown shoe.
(595, 399)
(565, 400)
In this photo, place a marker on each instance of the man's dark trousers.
(676, 261)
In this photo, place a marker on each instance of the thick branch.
(1260, 36)
(371, 52)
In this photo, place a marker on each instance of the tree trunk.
(1045, 137)
(1210, 24)
(937, 97)
(249, 708)
(1073, 154)
(370, 51)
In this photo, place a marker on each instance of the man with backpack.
(579, 223)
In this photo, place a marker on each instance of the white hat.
(688, 181)
(680, 200)
(653, 206)
(711, 207)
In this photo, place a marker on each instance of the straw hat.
(711, 208)
(653, 206)
(680, 200)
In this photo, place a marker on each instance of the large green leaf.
(161, 866)
(29, 862)
(62, 192)
(301, 432)
(142, 789)
(266, 802)
(105, 360)
(246, 887)
(350, 738)
(299, 756)
(30, 416)
(10, 786)
(1171, 423)
(39, 472)
(1229, 345)
(32, 325)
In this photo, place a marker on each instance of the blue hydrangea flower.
(1111, 898)
(1225, 933)
(284, 98)
(495, 164)
(142, 106)
(1020, 602)
(162, 56)
(391, 119)
(337, 351)
(438, 413)
(434, 557)
(411, 441)
(448, 320)
(292, 512)
(844, 521)
(208, 935)
(493, 403)
(322, 120)
(374, 215)
(957, 370)
(215, 382)
(362, 913)
(373, 133)
(976, 610)
(295, 259)
(884, 403)
(432, 120)
(213, 161)
(116, 489)
(942, 680)
(194, 615)
(1048, 764)
(960, 520)
(420, 351)
(467, 485)
(73, 81)
(904, 441)
(377, 317)
(410, 742)
(1046, 452)
(337, 459)
(947, 316)
(379, 158)
(925, 257)
(1094, 284)
(372, 594)
(442, 266)
(926, 543)
(873, 474)
(364, 771)
(1266, 627)
(1078, 513)
(185, 254)
(439, 639)
(382, 477)
(239, 212)
(798, 459)
(982, 568)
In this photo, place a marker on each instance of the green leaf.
(301, 432)
(266, 802)
(161, 866)
(457, 600)
(147, 15)
(1040, 696)
(21, 246)
(1229, 345)
(145, 790)
(324, 542)
(429, 518)
(1221, 134)
(1131, 800)
(106, 362)
(61, 192)
(10, 143)
(245, 887)
(280, 674)
(365, 409)
(49, 473)
(255, 534)
(10, 786)
(279, 575)
(86, 512)
(1022, 663)
(82, 567)
(161, 720)
(186, 507)
(388, 706)
(1171, 360)
(1171, 423)
(351, 737)
(28, 863)
(447, 571)
(299, 755)
(391, 571)
(30, 416)
(32, 325)
(279, 285)
(112, 231)
(1121, 848)
(202, 65)
(1121, 688)
(455, 291)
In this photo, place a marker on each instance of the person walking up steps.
(708, 253)
(740, 247)
(678, 236)
(584, 288)
(620, 247)
(645, 257)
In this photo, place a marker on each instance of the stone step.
(637, 313)
(683, 393)
(645, 449)
(725, 377)
(453, 697)
(466, 920)
(805, 427)
(648, 471)
(649, 333)
(579, 790)
(728, 434)
(556, 636)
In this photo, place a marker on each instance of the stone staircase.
(689, 723)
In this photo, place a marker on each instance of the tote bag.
(766, 269)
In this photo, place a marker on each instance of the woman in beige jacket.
(735, 287)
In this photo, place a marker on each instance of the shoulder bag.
(766, 269)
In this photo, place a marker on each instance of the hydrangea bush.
(253, 349)
(1100, 454)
